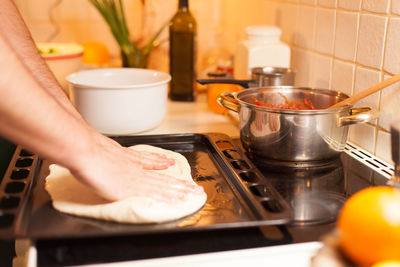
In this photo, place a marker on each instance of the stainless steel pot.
(260, 77)
(272, 134)
(272, 76)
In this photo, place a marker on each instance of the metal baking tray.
(238, 194)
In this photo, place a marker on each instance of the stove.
(314, 194)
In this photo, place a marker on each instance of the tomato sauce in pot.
(305, 104)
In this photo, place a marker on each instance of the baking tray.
(238, 194)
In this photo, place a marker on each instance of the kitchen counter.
(300, 255)
(194, 117)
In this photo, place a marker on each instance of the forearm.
(13, 28)
(32, 118)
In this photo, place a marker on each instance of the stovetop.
(316, 195)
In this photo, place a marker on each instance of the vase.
(134, 59)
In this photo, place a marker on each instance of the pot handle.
(227, 100)
(358, 115)
(243, 83)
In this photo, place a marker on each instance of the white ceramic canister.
(262, 47)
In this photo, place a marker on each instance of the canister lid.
(263, 31)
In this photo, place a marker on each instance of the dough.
(70, 196)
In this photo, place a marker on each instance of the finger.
(166, 182)
(150, 160)
(165, 188)
(150, 156)
(172, 195)
(165, 194)
(151, 165)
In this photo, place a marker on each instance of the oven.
(251, 204)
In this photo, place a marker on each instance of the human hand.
(148, 160)
(145, 183)
(115, 173)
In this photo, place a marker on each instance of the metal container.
(260, 77)
(271, 76)
(272, 134)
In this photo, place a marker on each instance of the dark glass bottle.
(182, 53)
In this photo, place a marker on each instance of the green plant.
(133, 55)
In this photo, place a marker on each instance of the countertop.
(196, 117)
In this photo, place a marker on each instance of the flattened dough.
(70, 196)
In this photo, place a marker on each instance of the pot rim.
(75, 79)
(51, 57)
(310, 90)
(272, 71)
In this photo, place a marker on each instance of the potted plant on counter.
(133, 54)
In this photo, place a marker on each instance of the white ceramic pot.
(120, 101)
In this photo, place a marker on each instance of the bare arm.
(14, 30)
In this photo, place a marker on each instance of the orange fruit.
(369, 225)
(214, 90)
(95, 53)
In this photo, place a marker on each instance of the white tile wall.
(42, 31)
(396, 7)
(322, 66)
(309, 2)
(390, 105)
(381, 6)
(288, 21)
(304, 37)
(325, 30)
(350, 4)
(382, 144)
(366, 78)
(30, 8)
(346, 35)
(302, 63)
(371, 40)
(327, 3)
(343, 77)
(363, 135)
(392, 50)
(67, 10)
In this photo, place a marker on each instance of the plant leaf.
(151, 44)
(113, 13)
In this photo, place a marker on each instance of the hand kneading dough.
(72, 197)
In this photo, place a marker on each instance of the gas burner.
(318, 207)
(290, 166)
(315, 191)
